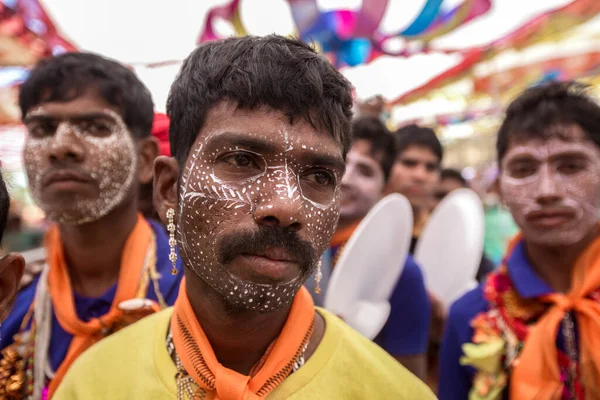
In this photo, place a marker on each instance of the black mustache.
(268, 237)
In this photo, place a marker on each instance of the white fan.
(370, 265)
(451, 245)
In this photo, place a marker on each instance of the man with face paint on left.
(531, 331)
(259, 130)
(88, 150)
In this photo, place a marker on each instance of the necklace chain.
(185, 384)
(568, 330)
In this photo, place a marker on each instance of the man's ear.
(166, 174)
(11, 271)
(149, 150)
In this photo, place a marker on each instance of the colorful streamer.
(351, 37)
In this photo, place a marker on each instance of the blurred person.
(11, 264)
(368, 166)
(88, 149)
(532, 330)
(416, 171)
(259, 130)
(450, 180)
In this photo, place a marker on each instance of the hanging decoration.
(354, 37)
(27, 33)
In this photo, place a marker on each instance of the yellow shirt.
(135, 364)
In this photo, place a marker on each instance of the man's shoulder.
(130, 344)
(358, 359)
(467, 307)
(121, 366)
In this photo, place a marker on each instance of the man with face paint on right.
(87, 152)
(260, 127)
(532, 330)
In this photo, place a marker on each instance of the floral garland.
(499, 334)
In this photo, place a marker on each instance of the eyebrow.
(78, 117)
(258, 145)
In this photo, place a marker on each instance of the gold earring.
(172, 242)
(318, 277)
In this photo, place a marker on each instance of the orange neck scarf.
(201, 364)
(86, 334)
(537, 375)
(341, 236)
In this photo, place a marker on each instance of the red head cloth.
(160, 130)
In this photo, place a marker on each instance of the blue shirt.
(406, 331)
(455, 379)
(88, 308)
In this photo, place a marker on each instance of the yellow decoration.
(486, 357)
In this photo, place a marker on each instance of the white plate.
(451, 245)
(370, 265)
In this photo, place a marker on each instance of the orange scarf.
(86, 334)
(537, 374)
(200, 362)
(341, 236)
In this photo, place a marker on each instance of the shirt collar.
(527, 282)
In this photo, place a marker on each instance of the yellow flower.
(485, 357)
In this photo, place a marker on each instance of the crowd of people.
(193, 268)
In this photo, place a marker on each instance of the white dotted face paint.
(79, 168)
(553, 189)
(259, 201)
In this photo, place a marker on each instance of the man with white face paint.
(259, 132)
(88, 150)
(532, 330)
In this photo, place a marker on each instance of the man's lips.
(271, 264)
(64, 176)
(550, 218)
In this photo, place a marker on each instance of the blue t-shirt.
(406, 332)
(88, 308)
(456, 380)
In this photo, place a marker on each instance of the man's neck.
(239, 338)
(93, 250)
(555, 264)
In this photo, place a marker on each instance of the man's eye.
(41, 129)
(240, 160)
(523, 169)
(322, 178)
(96, 128)
(571, 167)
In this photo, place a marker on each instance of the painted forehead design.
(549, 149)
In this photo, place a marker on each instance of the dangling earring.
(318, 277)
(172, 242)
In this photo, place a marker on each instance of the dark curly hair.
(539, 108)
(68, 76)
(281, 73)
(377, 134)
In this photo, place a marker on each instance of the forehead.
(361, 150)
(225, 122)
(89, 102)
(419, 153)
(575, 142)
